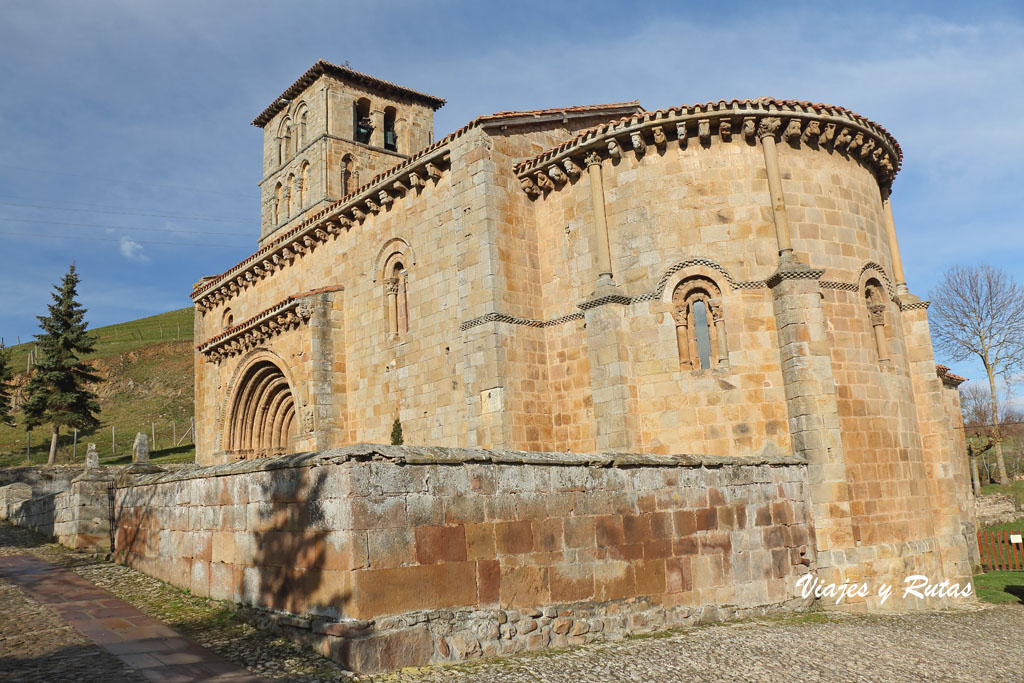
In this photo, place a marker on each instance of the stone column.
(766, 133)
(682, 337)
(878, 323)
(604, 258)
(715, 311)
(894, 247)
(391, 289)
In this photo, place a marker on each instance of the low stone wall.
(385, 556)
(77, 518)
(43, 479)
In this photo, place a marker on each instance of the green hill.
(147, 364)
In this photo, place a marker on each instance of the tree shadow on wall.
(302, 556)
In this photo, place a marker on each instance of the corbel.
(415, 180)
(371, 205)
(857, 142)
(433, 172)
(659, 136)
(749, 128)
(681, 133)
(384, 198)
(637, 141)
(544, 182)
(320, 234)
(813, 128)
(571, 168)
(529, 187)
(704, 131)
(866, 149)
(792, 130)
(613, 148)
(828, 134)
(725, 130)
(556, 174)
(843, 139)
(400, 187)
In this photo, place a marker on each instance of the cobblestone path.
(979, 644)
(114, 640)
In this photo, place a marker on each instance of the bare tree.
(978, 311)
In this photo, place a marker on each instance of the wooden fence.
(998, 553)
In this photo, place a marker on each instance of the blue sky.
(126, 123)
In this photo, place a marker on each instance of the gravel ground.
(977, 644)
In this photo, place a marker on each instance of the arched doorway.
(262, 418)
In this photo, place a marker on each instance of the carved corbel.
(613, 148)
(372, 206)
(828, 134)
(308, 242)
(659, 136)
(556, 174)
(384, 198)
(637, 140)
(359, 214)
(813, 128)
(792, 130)
(544, 182)
(725, 130)
(843, 139)
(681, 133)
(321, 235)
(571, 168)
(433, 172)
(304, 311)
(866, 149)
(415, 180)
(399, 187)
(877, 154)
(704, 131)
(749, 128)
(768, 126)
(886, 163)
(529, 187)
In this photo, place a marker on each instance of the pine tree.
(6, 375)
(57, 393)
(396, 433)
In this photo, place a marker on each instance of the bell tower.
(331, 131)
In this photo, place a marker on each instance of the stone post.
(140, 449)
(604, 259)
(92, 458)
(377, 134)
(766, 133)
(894, 247)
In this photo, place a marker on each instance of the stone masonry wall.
(388, 556)
(77, 518)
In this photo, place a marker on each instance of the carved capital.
(679, 315)
(592, 159)
(877, 314)
(391, 286)
(768, 126)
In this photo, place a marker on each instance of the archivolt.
(262, 415)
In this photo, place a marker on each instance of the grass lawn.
(1000, 588)
(147, 364)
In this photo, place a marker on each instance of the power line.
(116, 239)
(129, 213)
(126, 227)
(120, 180)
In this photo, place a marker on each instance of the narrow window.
(396, 300)
(700, 324)
(304, 186)
(278, 199)
(362, 125)
(875, 301)
(700, 327)
(390, 137)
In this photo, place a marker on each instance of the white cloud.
(133, 251)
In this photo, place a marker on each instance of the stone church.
(720, 279)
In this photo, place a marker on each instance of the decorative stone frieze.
(799, 123)
(283, 316)
(327, 224)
